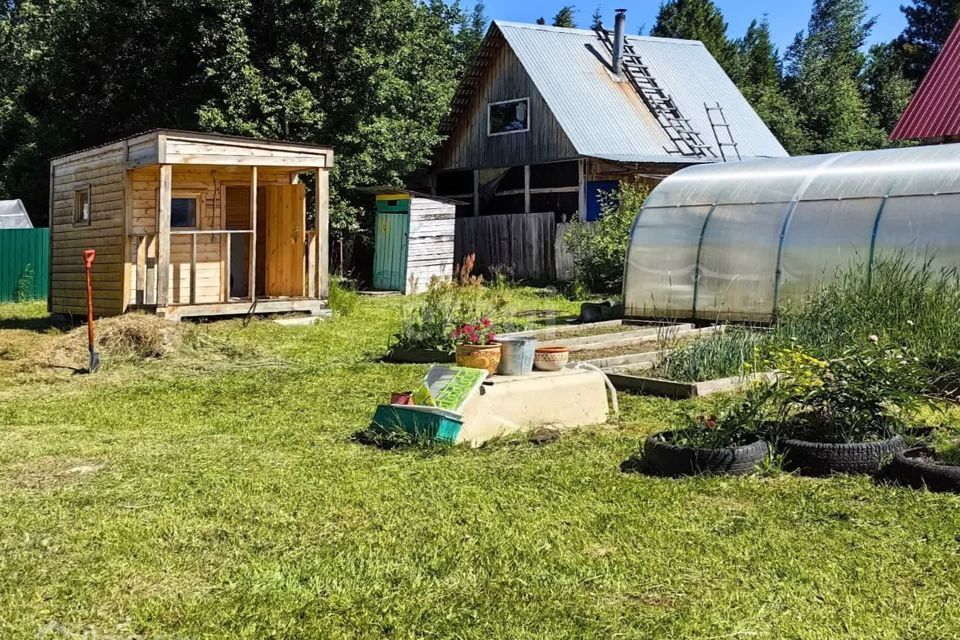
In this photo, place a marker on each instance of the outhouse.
(414, 236)
(190, 224)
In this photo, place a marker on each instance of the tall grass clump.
(718, 355)
(913, 304)
(343, 297)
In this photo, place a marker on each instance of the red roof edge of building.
(934, 111)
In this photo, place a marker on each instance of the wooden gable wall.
(469, 146)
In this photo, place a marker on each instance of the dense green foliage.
(928, 24)
(371, 77)
(867, 392)
(599, 249)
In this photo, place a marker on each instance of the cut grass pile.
(164, 501)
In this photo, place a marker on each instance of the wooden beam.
(253, 235)
(322, 216)
(127, 223)
(163, 233)
(582, 189)
(50, 236)
(476, 192)
(193, 268)
(526, 188)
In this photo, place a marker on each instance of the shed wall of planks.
(430, 250)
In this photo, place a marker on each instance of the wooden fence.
(24, 264)
(524, 243)
(530, 244)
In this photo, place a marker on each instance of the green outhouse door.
(390, 251)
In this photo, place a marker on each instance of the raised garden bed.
(632, 378)
(619, 356)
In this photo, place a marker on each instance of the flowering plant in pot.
(847, 413)
(477, 347)
(726, 440)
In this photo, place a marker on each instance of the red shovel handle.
(88, 257)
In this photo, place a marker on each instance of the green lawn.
(219, 494)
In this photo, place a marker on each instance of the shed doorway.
(279, 264)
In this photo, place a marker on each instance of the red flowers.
(480, 333)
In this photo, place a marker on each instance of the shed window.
(511, 116)
(183, 213)
(81, 206)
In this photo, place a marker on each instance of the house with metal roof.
(13, 215)
(547, 118)
(933, 115)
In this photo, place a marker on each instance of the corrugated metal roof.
(934, 111)
(606, 118)
(13, 215)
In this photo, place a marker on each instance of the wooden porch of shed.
(225, 240)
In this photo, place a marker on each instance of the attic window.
(510, 116)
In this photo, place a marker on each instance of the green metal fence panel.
(24, 264)
(390, 252)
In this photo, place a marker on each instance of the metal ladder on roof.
(687, 141)
(721, 124)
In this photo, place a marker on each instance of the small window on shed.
(511, 116)
(183, 213)
(81, 206)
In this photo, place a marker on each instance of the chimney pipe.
(618, 39)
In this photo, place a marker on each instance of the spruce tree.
(596, 20)
(761, 78)
(888, 89)
(929, 22)
(825, 80)
(698, 20)
(565, 17)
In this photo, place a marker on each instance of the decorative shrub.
(600, 248)
(429, 323)
(868, 392)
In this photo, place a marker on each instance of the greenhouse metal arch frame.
(738, 241)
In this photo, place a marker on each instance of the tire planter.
(910, 469)
(825, 458)
(665, 459)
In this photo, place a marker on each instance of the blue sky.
(786, 17)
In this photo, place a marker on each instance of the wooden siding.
(195, 150)
(431, 242)
(102, 170)
(469, 146)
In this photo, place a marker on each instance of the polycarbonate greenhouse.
(736, 241)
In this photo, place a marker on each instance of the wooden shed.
(414, 240)
(190, 224)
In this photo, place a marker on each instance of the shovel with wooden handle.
(88, 257)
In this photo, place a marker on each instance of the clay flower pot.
(551, 358)
(479, 356)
